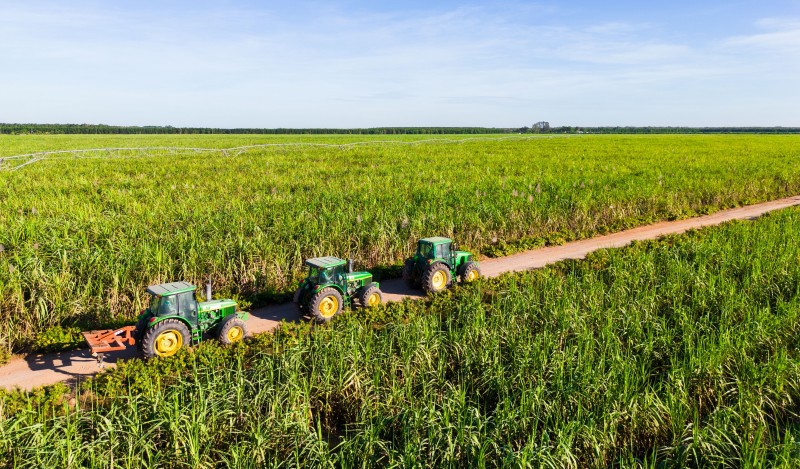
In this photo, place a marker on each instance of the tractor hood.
(214, 305)
(353, 276)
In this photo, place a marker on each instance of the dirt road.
(40, 370)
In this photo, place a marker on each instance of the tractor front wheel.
(370, 297)
(470, 272)
(326, 304)
(436, 278)
(231, 331)
(165, 339)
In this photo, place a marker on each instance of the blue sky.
(412, 63)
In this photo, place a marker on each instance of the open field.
(674, 352)
(82, 235)
(43, 369)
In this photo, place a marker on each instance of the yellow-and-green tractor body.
(437, 264)
(174, 318)
(329, 288)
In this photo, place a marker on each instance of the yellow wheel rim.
(235, 334)
(439, 279)
(328, 306)
(374, 300)
(168, 343)
(472, 275)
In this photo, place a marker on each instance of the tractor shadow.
(397, 290)
(75, 363)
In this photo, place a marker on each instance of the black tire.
(158, 343)
(432, 281)
(138, 334)
(408, 274)
(301, 306)
(470, 272)
(366, 293)
(231, 331)
(326, 304)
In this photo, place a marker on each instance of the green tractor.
(328, 288)
(173, 319)
(437, 263)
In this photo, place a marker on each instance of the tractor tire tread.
(148, 345)
(222, 334)
(467, 268)
(366, 292)
(427, 277)
(318, 297)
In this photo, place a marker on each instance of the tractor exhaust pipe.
(208, 290)
(350, 265)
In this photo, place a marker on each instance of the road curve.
(43, 369)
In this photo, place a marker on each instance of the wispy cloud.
(781, 35)
(331, 65)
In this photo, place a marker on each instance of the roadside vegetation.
(676, 352)
(83, 234)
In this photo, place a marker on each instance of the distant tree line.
(542, 127)
(113, 129)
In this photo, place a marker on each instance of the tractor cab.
(435, 248)
(173, 299)
(325, 271)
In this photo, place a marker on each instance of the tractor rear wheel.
(326, 304)
(436, 278)
(370, 297)
(408, 274)
(301, 306)
(231, 331)
(470, 272)
(165, 339)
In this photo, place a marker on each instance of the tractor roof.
(167, 289)
(436, 240)
(325, 262)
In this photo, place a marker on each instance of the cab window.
(443, 251)
(313, 274)
(168, 306)
(155, 304)
(188, 304)
(326, 276)
(426, 250)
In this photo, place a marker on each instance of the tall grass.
(81, 237)
(680, 352)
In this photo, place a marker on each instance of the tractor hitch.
(109, 340)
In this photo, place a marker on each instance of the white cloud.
(463, 66)
(782, 36)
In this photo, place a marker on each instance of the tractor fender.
(157, 319)
(230, 316)
(243, 315)
(330, 285)
(368, 285)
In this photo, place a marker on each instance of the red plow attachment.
(109, 340)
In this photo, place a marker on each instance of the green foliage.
(83, 234)
(671, 353)
(42, 402)
(57, 339)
